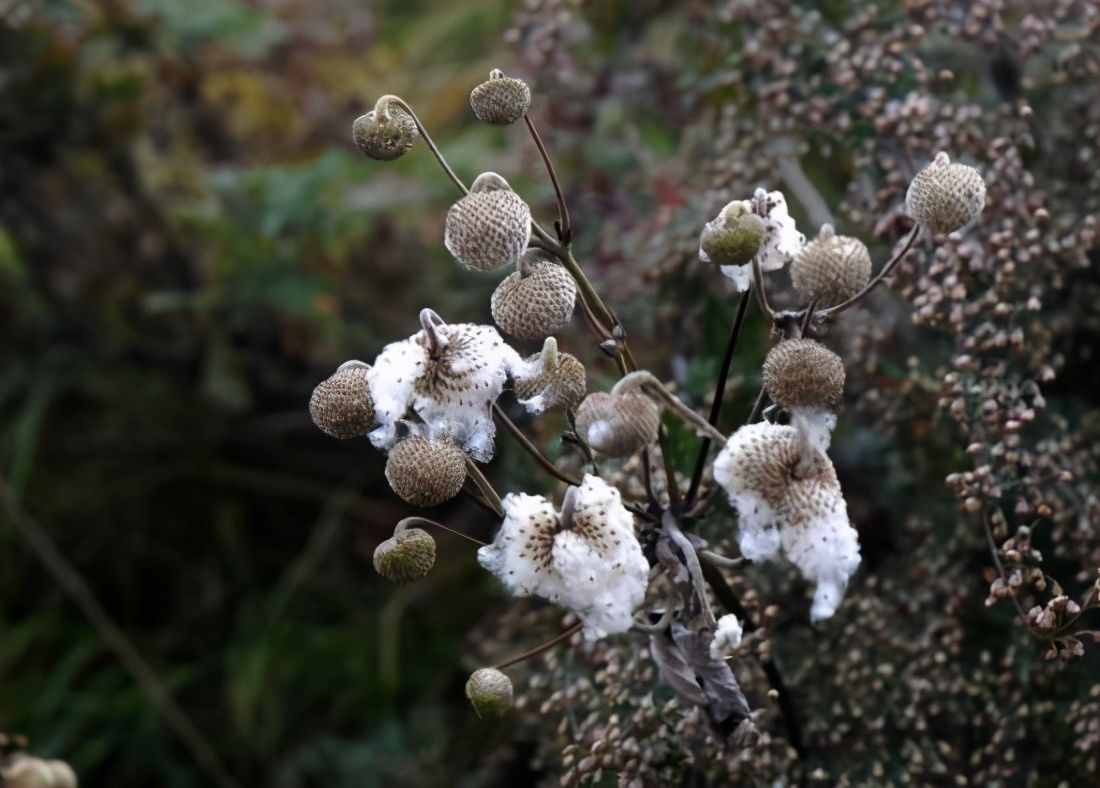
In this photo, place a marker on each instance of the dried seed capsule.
(618, 425)
(944, 196)
(488, 228)
(801, 373)
(386, 132)
(537, 300)
(406, 556)
(24, 771)
(426, 472)
(733, 237)
(501, 100)
(560, 380)
(341, 405)
(490, 692)
(832, 268)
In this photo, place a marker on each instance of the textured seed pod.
(832, 268)
(733, 237)
(426, 472)
(488, 228)
(341, 405)
(536, 301)
(501, 100)
(386, 132)
(23, 771)
(801, 373)
(490, 692)
(944, 196)
(406, 556)
(559, 382)
(618, 425)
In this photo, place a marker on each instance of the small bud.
(490, 693)
(945, 197)
(501, 100)
(406, 556)
(341, 405)
(618, 425)
(733, 237)
(537, 300)
(832, 268)
(488, 228)
(803, 373)
(386, 132)
(426, 472)
(561, 381)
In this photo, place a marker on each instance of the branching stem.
(531, 448)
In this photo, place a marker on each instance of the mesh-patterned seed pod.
(802, 373)
(831, 268)
(386, 132)
(501, 100)
(618, 425)
(945, 196)
(559, 382)
(490, 693)
(733, 237)
(341, 405)
(488, 228)
(406, 556)
(426, 472)
(537, 300)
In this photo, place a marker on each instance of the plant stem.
(485, 487)
(531, 448)
(649, 382)
(886, 269)
(757, 406)
(691, 562)
(416, 520)
(565, 229)
(428, 139)
(549, 644)
(761, 292)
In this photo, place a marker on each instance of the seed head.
(406, 556)
(341, 405)
(832, 268)
(559, 381)
(386, 132)
(25, 771)
(501, 100)
(733, 237)
(425, 472)
(488, 228)
(618, 425)
(802, 373)
(537, 300)
(490, 693)
(945, 196)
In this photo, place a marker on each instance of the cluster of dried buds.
(20, 770)
(619, 562)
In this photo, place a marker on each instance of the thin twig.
(431, 143)
(885, 272)
(568, 633)
(532, 449)
(485, 486)
(565, 229)
(417, 520)
(761, 292)
(757, 407)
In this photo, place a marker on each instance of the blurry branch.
(69, 580)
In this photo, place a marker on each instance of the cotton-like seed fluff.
(564, 385)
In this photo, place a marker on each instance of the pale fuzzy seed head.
(782, 240)
(426, 472)
(341, 405)
(803, 373)
(618, 425)
(63, 774)
(385, 133)
(733, 237)
(405, 557)
(727, 637)
(25, 771)
(501, 100)
(560, 386)
(490, 227)
(832, 268)
(490, 693)
(536, 301)
(592, 565)
(945, 196)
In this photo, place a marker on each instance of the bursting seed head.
(944, 196)
(488, 228)
(802, 373)
(490, 693)
(733, 237)
(831, 268)
(426, 472)
(618, 425)
(501, 100)
(386, 132)
(341, 405)
(559, 380)
(537, 300)
(405, 557)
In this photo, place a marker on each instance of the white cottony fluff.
(816, 424)
(782, 241)
(790, 504)
(392, 380)
(592, 565)
(727, 637)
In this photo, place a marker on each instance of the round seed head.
(63, 774)
(426, 472)
(490, 693)
(406, 556)
(386, 132)
(488, 228)
(831, 268)
(733, 237)
(801, 373)
(945, 196)
(23, 771)
(618, 425)
(341, 405)
(501, 100)
(536, 301)
(560, 381)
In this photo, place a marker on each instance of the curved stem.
(691, 561)
(549, 644)
(531, 448)
(660, 626)
(416, 520)
(721, 560)
(565, 230)
(757, 406)
(886, 269)
(484, 486)
(761, 292)
(428, 139)
(806, 318)
(648, 381)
